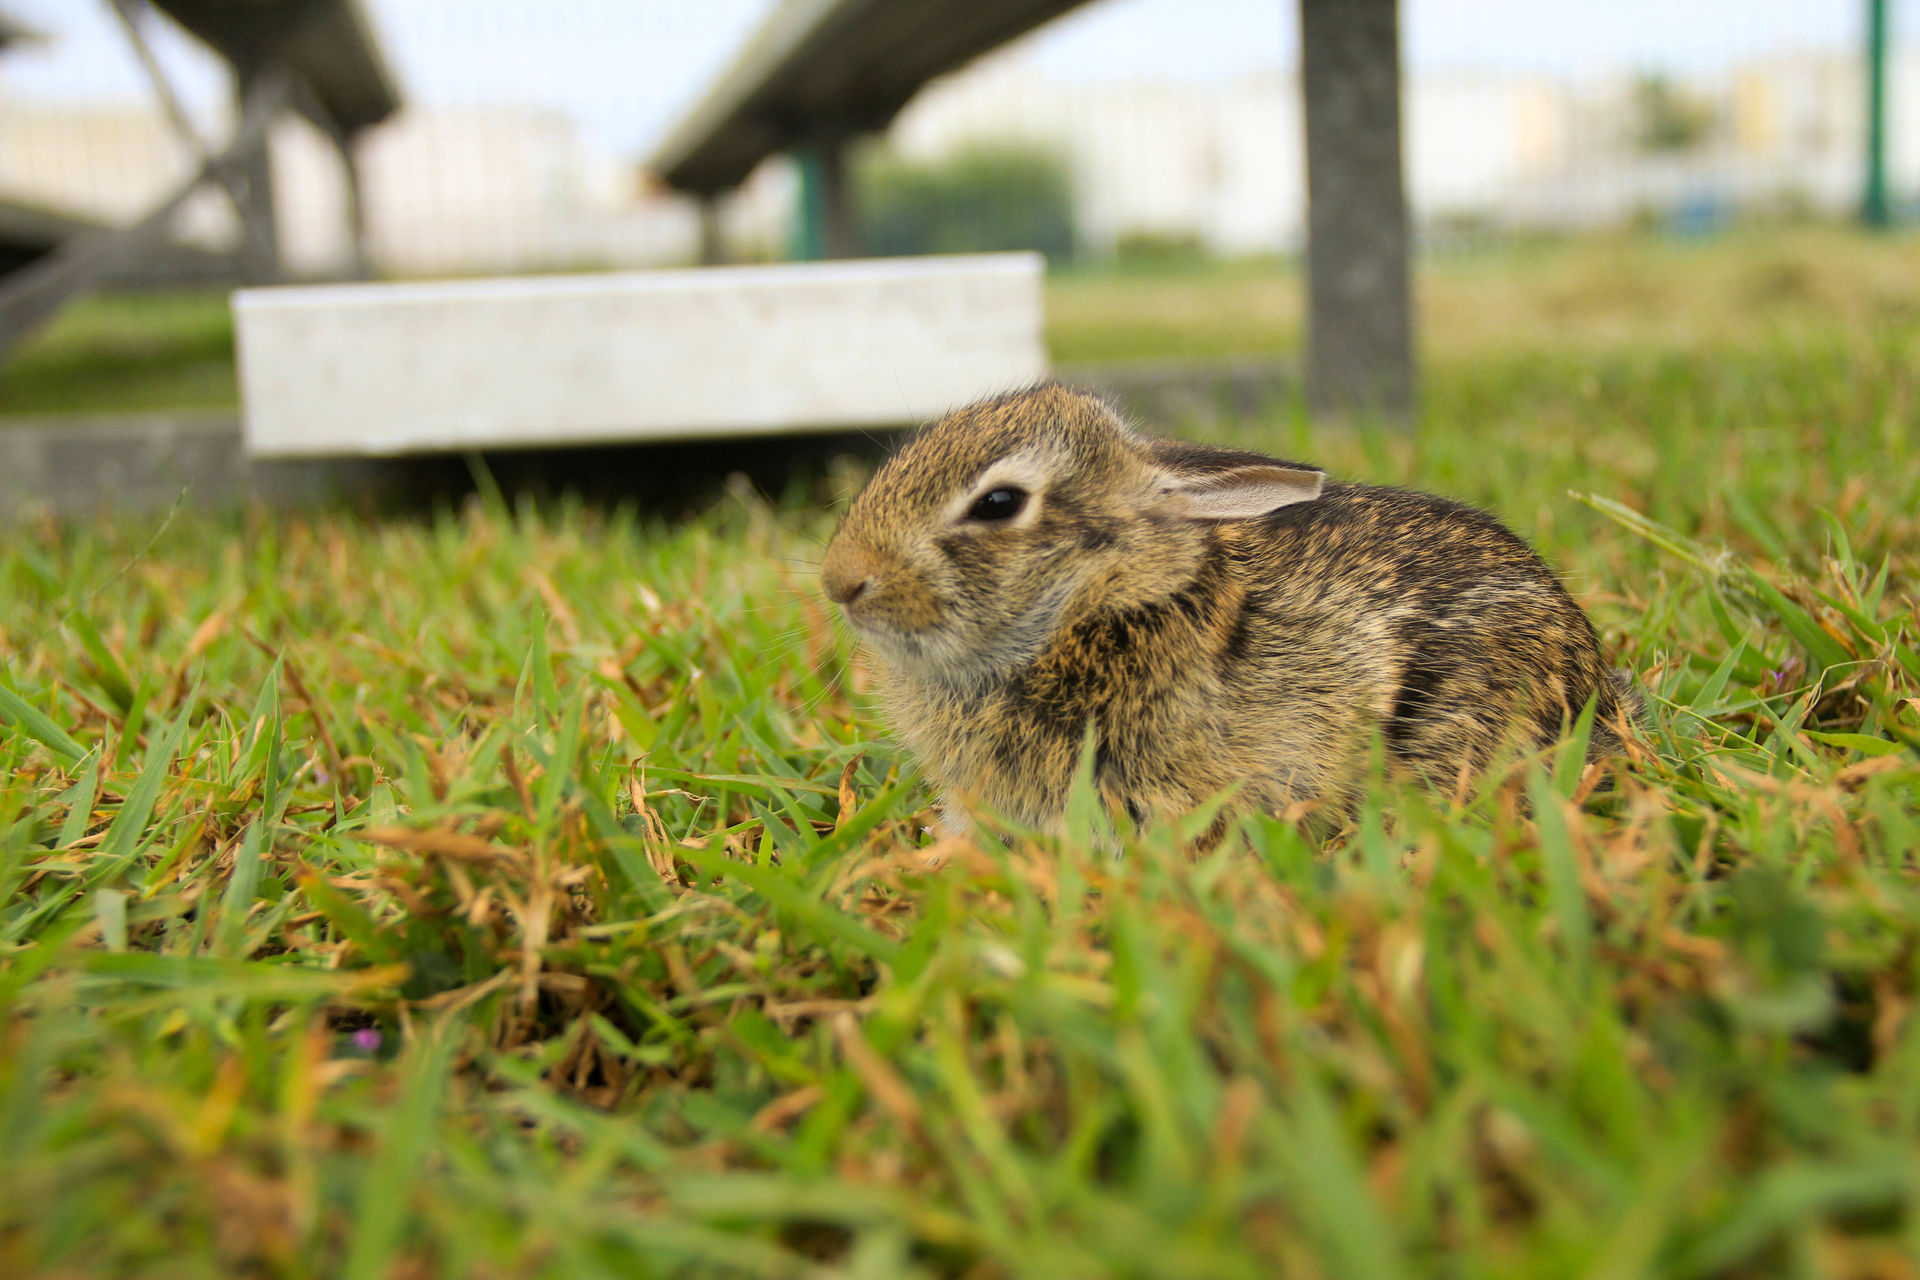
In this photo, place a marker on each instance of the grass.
(526, 891)
(126, 353)
(1604, 293)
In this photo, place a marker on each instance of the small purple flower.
(367, 1040)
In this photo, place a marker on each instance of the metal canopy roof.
(13, 31)
(327, 44)
(28, 231)
(822, 66)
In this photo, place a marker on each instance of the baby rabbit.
(1028, 571)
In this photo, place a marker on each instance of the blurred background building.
(1136, 128)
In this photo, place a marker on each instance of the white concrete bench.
(659, 355)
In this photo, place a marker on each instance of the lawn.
(530, 891)
(126, 353)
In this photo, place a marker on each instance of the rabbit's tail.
(1633, 702)
(1623, 710)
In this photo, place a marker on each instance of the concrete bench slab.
(419, 367)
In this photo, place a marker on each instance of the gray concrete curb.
(134, 464)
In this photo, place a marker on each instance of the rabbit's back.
(1460, 636)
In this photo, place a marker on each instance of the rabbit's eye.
(999, 504)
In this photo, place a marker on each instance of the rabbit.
(1029, 573)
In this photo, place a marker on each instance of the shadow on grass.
(668, 480)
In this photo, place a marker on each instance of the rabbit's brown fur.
(1213, 618)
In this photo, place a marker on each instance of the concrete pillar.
(1360, 321)
(826, 226)
(360, 266)
(713, 244)
(259, 255)
(839, 236)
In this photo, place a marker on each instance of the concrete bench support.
(411, 368)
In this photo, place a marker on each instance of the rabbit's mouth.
(909, 651)
(967, 658)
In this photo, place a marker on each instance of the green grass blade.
(31, 721)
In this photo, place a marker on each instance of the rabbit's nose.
(844, 591)
(846, 577)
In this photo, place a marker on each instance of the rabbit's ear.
(1241, 493)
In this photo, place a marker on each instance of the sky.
(625, 69)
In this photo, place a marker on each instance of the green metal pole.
(1874, 210)
(807, 241)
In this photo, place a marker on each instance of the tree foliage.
(978, 201)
